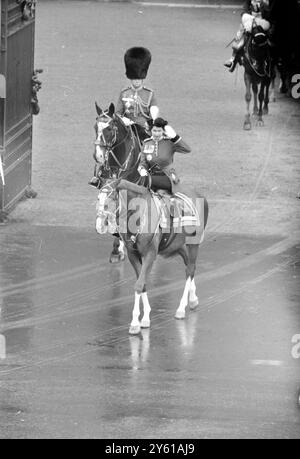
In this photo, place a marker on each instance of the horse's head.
(106, 221)
(112, 149)
(259, 36)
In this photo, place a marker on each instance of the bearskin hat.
(137, 61)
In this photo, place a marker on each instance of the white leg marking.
(180, 313)
(121, 247)
(2, 347)
(135, 327)
(193, 297)
(147, 309)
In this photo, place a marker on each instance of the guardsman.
(137, 104)
(157, 157)
(257, 10)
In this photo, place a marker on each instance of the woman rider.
(157, 157)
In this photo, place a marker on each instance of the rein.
(249, 46)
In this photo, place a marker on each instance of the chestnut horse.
(133, 211)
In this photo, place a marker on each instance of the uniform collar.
(164, 137)
(136, 89)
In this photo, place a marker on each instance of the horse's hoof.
(134, 330)
(193, 304)
(180, 315)
(145, 324)
(260, 123)
(265, 111)
(247, 126)
(116, 258)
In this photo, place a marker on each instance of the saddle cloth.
(176, 211)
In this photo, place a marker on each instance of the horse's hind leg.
(189, 294)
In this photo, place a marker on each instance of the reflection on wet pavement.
(71, 369)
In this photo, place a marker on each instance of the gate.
(16, 70)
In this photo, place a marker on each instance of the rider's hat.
(160, 123)
(137, 61)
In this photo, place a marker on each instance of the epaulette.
(148, 89)
(126, 89)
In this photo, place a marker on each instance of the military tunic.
(161, 153)
(135, 104)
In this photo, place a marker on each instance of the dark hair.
(160, 123)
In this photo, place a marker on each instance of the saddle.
(176, 211)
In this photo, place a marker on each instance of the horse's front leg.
(261, 97)
(118, 253)
(247, 122)
(141, 291)
(266, 99)
(255, 105)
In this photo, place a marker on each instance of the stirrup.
(229, 64)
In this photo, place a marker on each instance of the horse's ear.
(111, 110)
(98, 109)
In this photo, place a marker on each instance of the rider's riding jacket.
(159, 155)
(135, 104)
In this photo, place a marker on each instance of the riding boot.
(95, 181)
(232, 62)
(237, 50)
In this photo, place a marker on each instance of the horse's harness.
(111, 146)
(250, 41)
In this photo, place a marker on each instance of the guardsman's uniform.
(135, 104)
(158, 156)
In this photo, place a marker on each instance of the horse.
(285, 18)
(145, 237)
(117, 151)
(258, 73)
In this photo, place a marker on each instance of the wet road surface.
(72, 370)
(230, 369)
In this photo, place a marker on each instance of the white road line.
(268, 363)
(188, 5)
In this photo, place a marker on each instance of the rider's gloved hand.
(127, 121)
(142, 171)
(170, 132)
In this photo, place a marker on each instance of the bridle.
(109, 147)
(252, 43)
